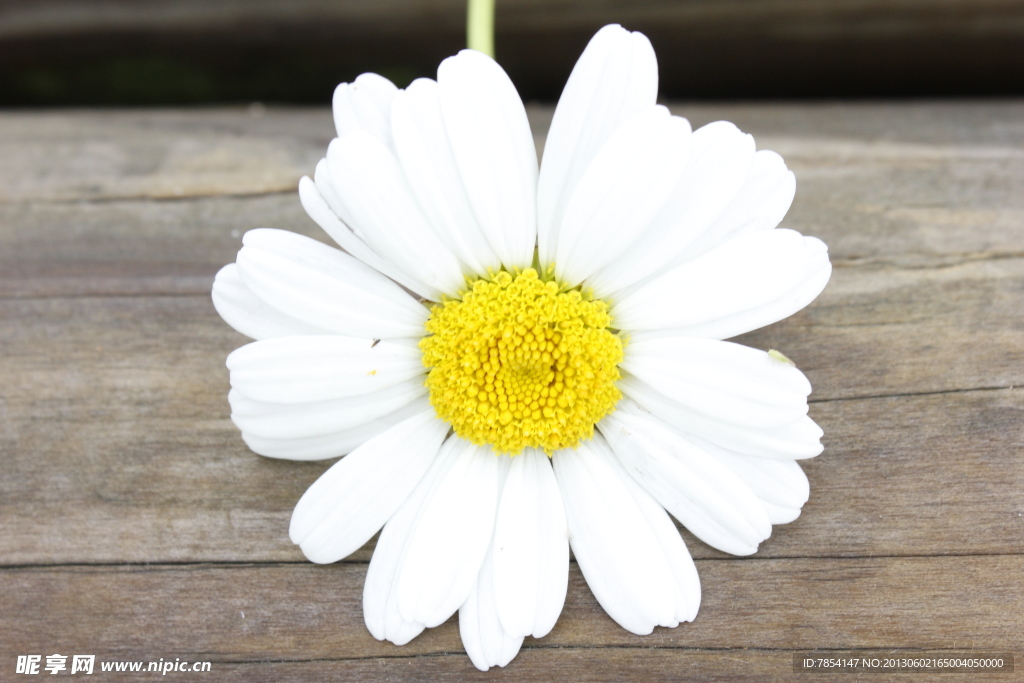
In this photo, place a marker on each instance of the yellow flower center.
(522, 362)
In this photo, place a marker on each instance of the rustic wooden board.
(299, 48)
(136, 524)
(129, 393)
(289, 612)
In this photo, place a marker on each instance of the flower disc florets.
(522, 362)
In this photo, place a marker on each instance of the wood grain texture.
(129, 393)
(136, 524)
(275, 611)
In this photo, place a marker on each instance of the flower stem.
(480, 26)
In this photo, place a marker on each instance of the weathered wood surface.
(289, 613)
(137, 525)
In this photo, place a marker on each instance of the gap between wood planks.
(185, 565)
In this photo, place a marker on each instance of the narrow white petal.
(327, 188)
(321, 285)
(684, 572)
(311, 195)
(720, 157)
(722, 380)
(779, 514)
(780, 482)
(380, 603)
(737, 280)
(761, 204)
(755, 318)
(615, 78)
(625, 187)
(365, 105)
(618, 553)
(423, 148)
(385, 214)
(322, 204)
(531, 548)
(250, 315)
(318, 418)
(802, 439)
(332, 445)
(702, 493)
(353, 499)
(486, 642)
(327, 214)
(451, 537)
(490, 137)
(320, 368)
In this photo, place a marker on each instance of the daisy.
(516, 361)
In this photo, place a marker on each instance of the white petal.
(622, 191)
(779, 514)
(322, 205)
(722, 380)
(738, 284)
(531, 548)
(380, 603)
(494, 152)
(327, 214)
(301, 420)
(702, 493)
(615, 78)
(250, 315)
(618, 553)
(780, 482)
(720, 157)
(451, 537)
(486, 642)
(353, 499)
(334, 444)
(423, 147)
(384, 213)
(320, 368)
(365, 105)
(755, 318)
(760, 204)
(327, 189)
(326, 287)
(791, 442)
(684, 572)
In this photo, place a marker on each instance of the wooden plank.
(175, 247)
(165, 154)
(117, 407)
(68, 17)
(878, 332)
(158, 154)
(576, 664)
(303, 611)
(736, 48)
(133, 247)
(858, 165)
(858, 339)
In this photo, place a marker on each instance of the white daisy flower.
(519, 361)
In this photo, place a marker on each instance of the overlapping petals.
(428, 186)
(353, 499)
(627, 548)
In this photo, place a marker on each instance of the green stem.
(480, 26)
